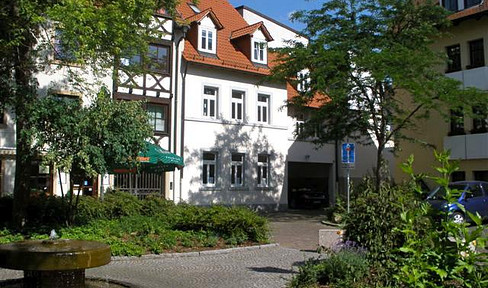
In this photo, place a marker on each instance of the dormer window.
(253, 42)
(303, 81)
(259, 54)
(203, 31)
(207, 39)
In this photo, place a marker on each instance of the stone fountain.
(54, 263)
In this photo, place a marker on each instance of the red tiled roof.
(250, 30)
(228, 55)
(198, 17)
(317, 101)
(482, 7)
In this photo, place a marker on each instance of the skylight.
(194, 8)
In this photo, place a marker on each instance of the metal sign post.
(348, 159)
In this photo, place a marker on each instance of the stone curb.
(194, 254)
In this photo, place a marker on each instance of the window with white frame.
(209, 175)
(263, 108)
(299, 128)
(237, 170)
(207, 39)
(210, 95)
(303, 79)
(157, 117)
(237, 105)
(259, 52)
(263, 170)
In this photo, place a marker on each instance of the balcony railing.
(475, 77)
(467, 147)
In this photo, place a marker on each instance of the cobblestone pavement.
(267, 266)
(297, 229)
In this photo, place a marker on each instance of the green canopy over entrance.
(154, 159)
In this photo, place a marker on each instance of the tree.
(373, 60)
(96, 32)
(89, 139)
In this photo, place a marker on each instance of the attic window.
(207, 39)
(194, 8)
(259, 54)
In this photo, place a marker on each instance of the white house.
(239, 142)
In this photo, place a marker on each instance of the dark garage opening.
(308, 185)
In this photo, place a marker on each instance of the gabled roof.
(227, 54)
(248, 30)
(207, 12)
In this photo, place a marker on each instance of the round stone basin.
(53, 255)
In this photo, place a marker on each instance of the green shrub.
(374, 217)
(118, 204)
(344, 269)
(89, 208)
(443, 255)
(6, 236)
(156, 205)
(135, 227)
(233, 223)
(43, 210)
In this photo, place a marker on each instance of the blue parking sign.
(348, 153)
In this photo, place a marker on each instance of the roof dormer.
(203, 32)
(253, 41)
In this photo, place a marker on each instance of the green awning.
(155, 159)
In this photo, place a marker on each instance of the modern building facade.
(466, 138)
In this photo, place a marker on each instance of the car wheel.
(458, 217)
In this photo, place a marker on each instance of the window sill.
(210, 188)
(160, 133)
(239, 188)
(207, 53)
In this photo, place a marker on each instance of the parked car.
(474, 198)
(307, 197)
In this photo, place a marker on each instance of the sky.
(280, 10)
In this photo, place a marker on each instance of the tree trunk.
(25, 95)
(379, 165)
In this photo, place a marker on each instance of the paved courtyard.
(267, 266)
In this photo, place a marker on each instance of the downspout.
(182, 142)
(184, 29)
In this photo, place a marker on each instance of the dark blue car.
(474, 198)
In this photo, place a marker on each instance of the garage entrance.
(308, 185)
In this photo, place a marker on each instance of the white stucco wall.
(225, 136)
(279, 33)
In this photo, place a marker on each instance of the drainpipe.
(184, 30)
(182, 142)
